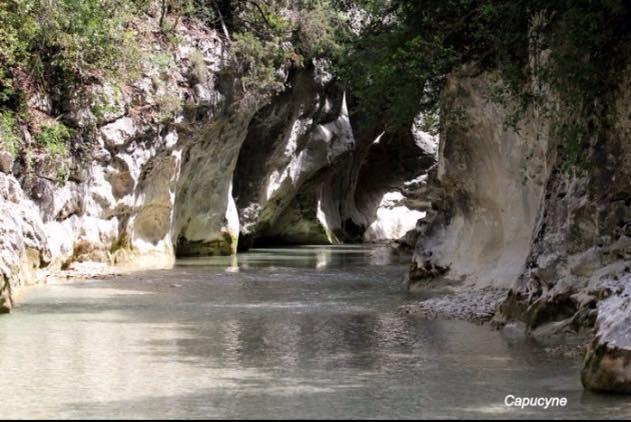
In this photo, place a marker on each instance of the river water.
(310, 332)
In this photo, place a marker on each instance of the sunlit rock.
(119, 132)
(485, 190)
(23, 245)
(394, 218)
(289, 143)
(607, 365)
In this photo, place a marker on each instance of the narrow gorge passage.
(301, 332)
(315, 208)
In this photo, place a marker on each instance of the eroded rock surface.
(290, 142)
(184, 161)
(506, 211)
(136, 150)
(23, 245)
(304, 177)
(485, 191)
(608, 359)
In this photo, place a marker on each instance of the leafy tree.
(62, 43)
(268, 36)
(398, 63)
(9, 140)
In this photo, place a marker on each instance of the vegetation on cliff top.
(399, 63)
(392, 55)
(61, 43)
(60, 46)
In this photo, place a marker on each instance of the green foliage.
(266, 39)
(18, 29)
(101, 109)
(9, 140)
(168, 106)
(320, 31)
(394, 61)
(64, 42)
(199, 69)
(398, 64)
(258, 62)
(572, 149)
(52, 137)
(201, 10)
(160, 61)
(198, 9)
(104, 106)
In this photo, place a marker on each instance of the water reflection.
(306, 332)
(318, 257)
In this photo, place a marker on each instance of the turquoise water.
(310, 332)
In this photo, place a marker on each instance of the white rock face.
(614, 316)
(302, 177)
(300, 134)
(159, 182)
(120, 208)
(608, 360)
(61, 237)
(156, 179)
(380, 162)
(23, 245)
(119, 132)
(507, 213)
(204, 219)
(150, 229)
(394, 219)
(493, 180)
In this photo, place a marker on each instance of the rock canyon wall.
(507, 212)
(184, 162)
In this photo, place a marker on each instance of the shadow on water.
(306, 332)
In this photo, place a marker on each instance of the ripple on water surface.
(274, 333)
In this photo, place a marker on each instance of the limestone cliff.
(116, 205)
(506, 212)
(303, 177)
(289, 143)
(150, 166)
(485, 190)
(184, 161)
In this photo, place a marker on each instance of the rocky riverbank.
(475, 305)
(506, 215)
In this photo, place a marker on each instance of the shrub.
(199, 9)
(63, 42)
(398, 64)
(319, 31)
(199, 69)
(258, 62)
(159, 61)
(269, 40)
(168, 106)
(106, 104)
(52, 137)
(9, 140)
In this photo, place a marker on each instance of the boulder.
(607, 365)
(119, 132)
(6, 162)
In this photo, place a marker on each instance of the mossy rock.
(607, 368)
(225, 245)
